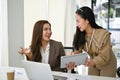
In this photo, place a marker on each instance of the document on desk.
(77, 58)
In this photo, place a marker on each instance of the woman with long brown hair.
(42, 48)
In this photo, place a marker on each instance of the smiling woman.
(42, 48)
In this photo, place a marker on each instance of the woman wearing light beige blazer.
(96, 42)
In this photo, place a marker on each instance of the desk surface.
(82, 77)
(20, 74)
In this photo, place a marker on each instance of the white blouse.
(45, 55)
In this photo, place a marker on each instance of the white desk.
(82, 77)
(19, 73)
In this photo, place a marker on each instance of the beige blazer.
(101, 50)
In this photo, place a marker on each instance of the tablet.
(77, 58)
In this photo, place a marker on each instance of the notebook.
(37, 71)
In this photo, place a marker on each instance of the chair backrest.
(68, 49)
(118, 71)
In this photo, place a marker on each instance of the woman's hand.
(89, 62)
(71, 53)
(86, 61)
(27, 52)
(24, 50)
(70, 65)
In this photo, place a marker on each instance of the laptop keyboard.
(59, 77)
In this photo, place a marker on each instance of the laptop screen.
(37, 71)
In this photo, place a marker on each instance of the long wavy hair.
(37, 40)
(79, 38)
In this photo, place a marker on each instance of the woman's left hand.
(91, 63)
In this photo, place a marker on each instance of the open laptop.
(37, 71)
(40, 71)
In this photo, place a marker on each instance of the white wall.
(3, 34)
(34, 10)
(70, 25)
(0, 33)
(56, 15)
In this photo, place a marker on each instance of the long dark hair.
(79, 38)
(37, 40)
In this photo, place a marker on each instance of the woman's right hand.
(24, 50)
(70, 65)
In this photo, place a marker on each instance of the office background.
(18, 18)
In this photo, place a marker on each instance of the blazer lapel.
(51, 53)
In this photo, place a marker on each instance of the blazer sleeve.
(62, 53)
(104, 53)
(61, 50)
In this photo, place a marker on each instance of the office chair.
(118, 71)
